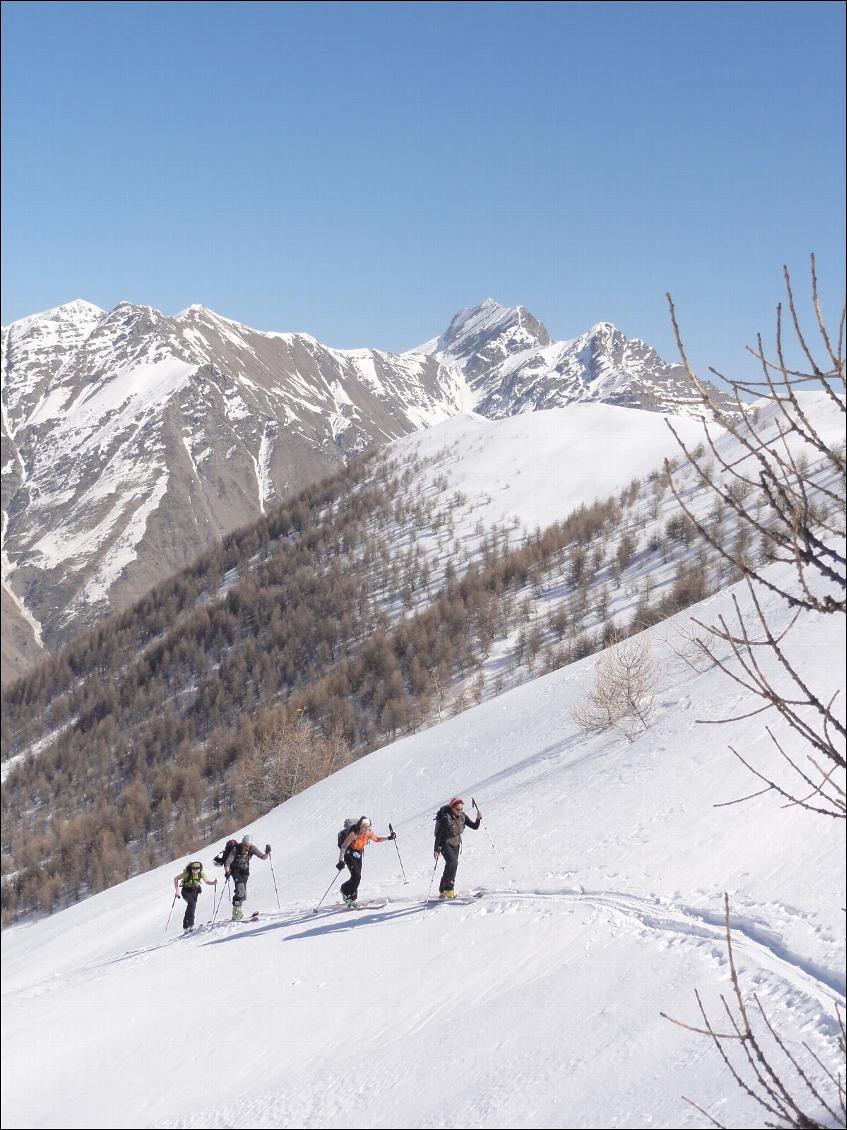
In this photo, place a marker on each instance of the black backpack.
(349, 824)
(220, 859)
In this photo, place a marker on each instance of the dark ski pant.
(350, 888)
(239, 882)
(451, 863)
(191, 895)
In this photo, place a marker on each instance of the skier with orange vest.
(351, 852)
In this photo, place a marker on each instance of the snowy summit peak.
(197, 312)
(194, 308)
(76, 307)
(77, 310)
(481, 335)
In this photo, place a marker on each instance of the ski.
(459, 900)
(363, 906)
(235, 921)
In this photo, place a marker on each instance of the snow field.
(535, 1006)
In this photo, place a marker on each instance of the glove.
(340, 865)
(393, 836)
(267, 849)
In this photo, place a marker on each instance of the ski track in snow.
(654, 922)
(661, 920)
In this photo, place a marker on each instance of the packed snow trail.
(532, 1006)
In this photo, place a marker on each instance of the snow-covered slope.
(539, 466)
(535, 1006)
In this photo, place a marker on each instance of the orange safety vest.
(360, 841)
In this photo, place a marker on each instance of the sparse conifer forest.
(359, 610)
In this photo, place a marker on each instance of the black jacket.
(450, 825)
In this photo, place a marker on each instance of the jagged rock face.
(133, 440)
(601, 365)
(512, 365)
(481, 337)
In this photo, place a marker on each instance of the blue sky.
(361, 171)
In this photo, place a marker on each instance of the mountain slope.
(403, 589)
(535, 1006)
(135, 440)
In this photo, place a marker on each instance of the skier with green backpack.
(190, 879)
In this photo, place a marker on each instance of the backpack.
(443, 822)
(188, 879)
(228, 849)
(349, 824)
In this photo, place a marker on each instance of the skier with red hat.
(450, 823)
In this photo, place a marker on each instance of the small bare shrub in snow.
(623, 694)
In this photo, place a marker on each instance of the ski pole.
(496, 852)
(170, 912)
(431, 881)
(402, 868)
(221, 899)
(215, 902)
(326, 892)
(273, 876)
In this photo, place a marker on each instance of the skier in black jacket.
(450, 823)
(237, 864)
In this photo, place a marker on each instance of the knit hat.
(456, 800)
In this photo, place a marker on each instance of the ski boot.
(447, 895)
(237, 914)
(350, 903)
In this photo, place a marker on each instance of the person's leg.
(191, 896)
(356, 877)
(350, 889)
(451, 863)
(239, 895)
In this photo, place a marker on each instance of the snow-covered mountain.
(536, 1005)
(133, 440)
(512, 365)
(480, 337)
